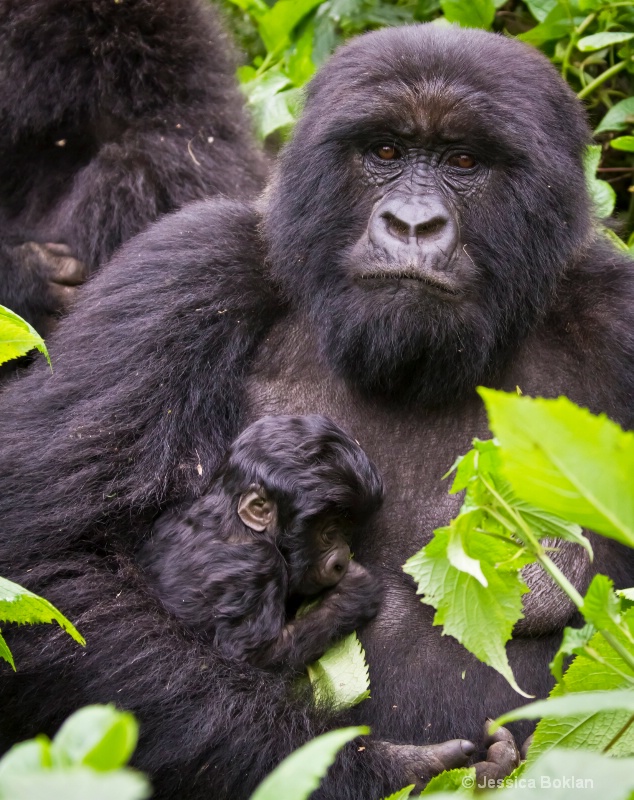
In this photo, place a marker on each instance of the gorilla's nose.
(418, 228)
(336, 566)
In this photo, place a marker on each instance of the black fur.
(222, 314)
(111, 114)
(232, 584)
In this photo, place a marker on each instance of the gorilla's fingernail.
(467, 747)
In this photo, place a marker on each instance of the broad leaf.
(458, 781)
(97, 736)
(301, 772)
(574, 640)
(575, 704)
(17, 337)
(340, 677)
(566, 460)
(75, 783)
(623, 142)
(276, 26)
(5, 653)
(600, 40)
(618, 118)
(601, 193)
(540, 9)
(402, 794)
(472, 14)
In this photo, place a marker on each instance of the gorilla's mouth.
(437, 285)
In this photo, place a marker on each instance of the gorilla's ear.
(256, 509)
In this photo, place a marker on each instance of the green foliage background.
(591, 42)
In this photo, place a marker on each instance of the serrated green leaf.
(457, 781)
(573, 775)
(340, 677)
(76, 783)
(605, 39)
(460, 559)
(576, 704)
(17, 337)
(97, 736)
(603, 670)
(402, 794)
(625, 143)
(5, 653)
(480, 618)
(469, 13)
(627, 593)
(566, 460)
(601, 606)
(19, 605)
(574, 639)
(301, 772)
(618, 117)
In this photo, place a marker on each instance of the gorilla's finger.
(421, 762)
(58, 249)
(502, 756)
(62, 267)
(63, 296)
(527, 743)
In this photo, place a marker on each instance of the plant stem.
(574, 38)
(603, 77)
(618, 735)
(618, 647)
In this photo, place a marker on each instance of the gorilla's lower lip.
(384, 277)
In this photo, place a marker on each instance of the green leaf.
(340, 677)
(457, 781)
(599, 40)
(618, 118)
(402, 794)
(301, 772)
(480, 618)
(601, 193)
(460, 559)
(5, 653)
(578, 775)
(566, 460)
(623, 142)
(574, 704)
(598, 667)
(97, 736)
(75, 783)
(19, 605)
(27, 757)
(469, 13)
(558, 24)
(299, 63)
(255, 8)
(574, 639)
(17, 337)
(601, 606)
(540, 9)
(276, 26)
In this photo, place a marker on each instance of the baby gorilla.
(275, 527)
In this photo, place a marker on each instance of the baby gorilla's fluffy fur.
(275, 524)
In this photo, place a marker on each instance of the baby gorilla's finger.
(502, 757)
(524, 749)
(421, 763)
(62, 267)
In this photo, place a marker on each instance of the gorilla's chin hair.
(402, 343)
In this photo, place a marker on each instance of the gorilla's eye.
(462, 161)
(387, 152)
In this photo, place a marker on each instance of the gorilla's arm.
(143, 401)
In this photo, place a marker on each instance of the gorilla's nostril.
(430, 227)
(396, 226)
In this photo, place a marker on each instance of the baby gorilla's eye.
(387, 152)
(462, 161)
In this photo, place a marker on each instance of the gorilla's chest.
(413, 449)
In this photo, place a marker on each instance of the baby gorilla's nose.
(336, 566)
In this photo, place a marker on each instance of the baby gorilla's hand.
(356, 598)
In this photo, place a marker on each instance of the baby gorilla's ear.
(256, 509)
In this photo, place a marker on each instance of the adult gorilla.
(429, 231)
(111, 114)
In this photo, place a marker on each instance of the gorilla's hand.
(54, 265)
(502, 757)
(357, 595)
(421, 763)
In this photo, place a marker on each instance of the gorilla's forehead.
(427, 81)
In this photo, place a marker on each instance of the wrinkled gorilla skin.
(223, 313)
(111, 114)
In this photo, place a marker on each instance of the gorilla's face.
(427, 206)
